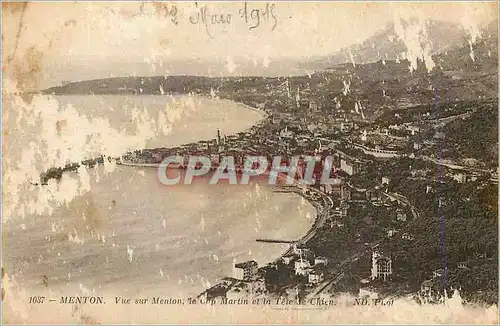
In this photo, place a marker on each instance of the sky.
(60, 37)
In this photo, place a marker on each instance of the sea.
(125, 233)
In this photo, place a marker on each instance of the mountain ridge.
(434, 37)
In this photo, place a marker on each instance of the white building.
(245, 271)
(331, 188)
(460, 177)
(315, 277)
(391, 232)
(345, 193)
(285, 133)
(347, 125)
(364, 136)
(427, 293)
(401, 216)
(301, 251)
(381, 266)
(413, 129)
(439, 272)
(349, 167)
(302, 267)
(320, 260)
(313, 106)
(407, 236)
(287, 260)
(336, 213)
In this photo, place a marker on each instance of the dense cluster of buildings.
(305, 263)
(303, 126)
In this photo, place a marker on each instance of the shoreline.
(264, 114)
(321, 212)
(56, 172)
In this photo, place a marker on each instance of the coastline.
(298, 190)
(321, 213)
(264, 114)
(56, 172)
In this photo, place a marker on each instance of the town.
(366, 223)
(415, 210)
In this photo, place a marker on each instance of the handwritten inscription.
(166, 10)
(206, 18)
(254, 15)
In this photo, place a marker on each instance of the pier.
(275, 241)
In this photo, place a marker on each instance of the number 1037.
(36, 299)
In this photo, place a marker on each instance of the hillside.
(377, 87)
(387, 44)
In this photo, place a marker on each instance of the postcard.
(250, 162)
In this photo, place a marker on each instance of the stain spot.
(28, 69)
(128, 14)
(70, 22)
(159, 7)
(90, 216)
(14, 7)
(3, 290)
(164, 42)
(60, 126)
(87, 320)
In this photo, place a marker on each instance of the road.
(394, 196)
(334, 276)
(405, 201)
(320, 221)
(453, 166)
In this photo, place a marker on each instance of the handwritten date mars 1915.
(251, 15)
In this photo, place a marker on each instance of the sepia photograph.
(227, 162)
